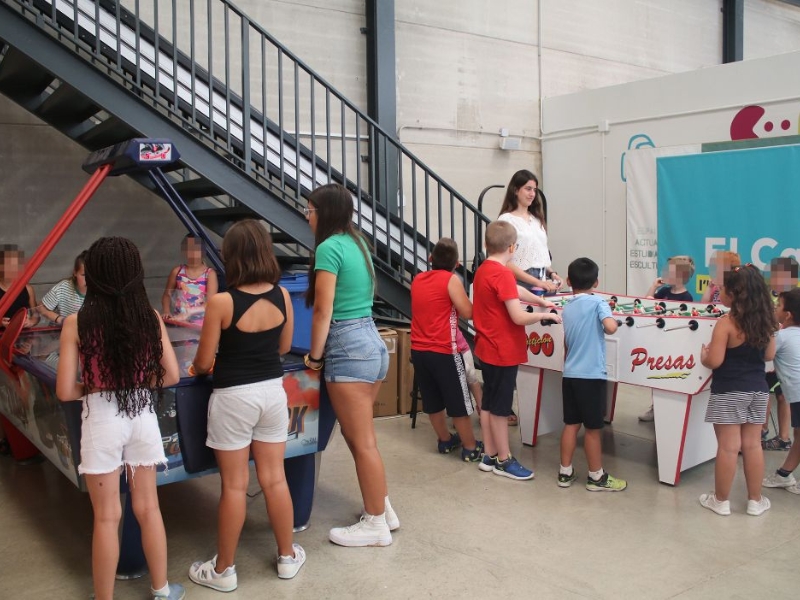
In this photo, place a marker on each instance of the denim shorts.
(355, 352)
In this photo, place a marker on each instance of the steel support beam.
(382, 98)
(732, 30)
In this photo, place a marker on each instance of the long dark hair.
(120, 335)
(518, 181)
(334, 206)
(751, 304)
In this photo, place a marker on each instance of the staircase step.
(107, 133)
(197, 188)
(21, 79)
(66, 106)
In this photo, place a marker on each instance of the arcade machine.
(657, 346)
(35, 418)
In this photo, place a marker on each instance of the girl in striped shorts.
(741, 342)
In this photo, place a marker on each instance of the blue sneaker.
(512, 469)
(487, 463)
(473, 455)
(450, 445)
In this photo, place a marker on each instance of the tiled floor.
(464, 533)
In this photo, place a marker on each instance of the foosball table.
(656, 346)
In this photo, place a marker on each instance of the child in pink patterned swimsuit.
(189, 285)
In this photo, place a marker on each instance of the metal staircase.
(257, 129)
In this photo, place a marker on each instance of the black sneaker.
(473, 455)
(450, 445)
(566, 480)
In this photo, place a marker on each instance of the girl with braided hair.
(740, 343)
(120, 347)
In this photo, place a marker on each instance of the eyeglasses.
(307, 211)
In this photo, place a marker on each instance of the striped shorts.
(737, 408)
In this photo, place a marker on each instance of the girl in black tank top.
(740, 343)
(247, 329)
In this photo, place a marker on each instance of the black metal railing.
(208, 66)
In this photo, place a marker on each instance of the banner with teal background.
(746, 201)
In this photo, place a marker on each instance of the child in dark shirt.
(672, 284)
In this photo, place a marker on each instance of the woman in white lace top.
(522, 207)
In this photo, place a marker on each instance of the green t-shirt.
(340, 255)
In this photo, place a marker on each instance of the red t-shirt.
(434, 320)
(499, 341)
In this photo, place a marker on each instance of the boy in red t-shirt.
(438, 298)
(500, 344)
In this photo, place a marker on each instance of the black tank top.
(248, 357)
(21, 301)
(741, 371)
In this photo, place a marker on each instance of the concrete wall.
(465, 69)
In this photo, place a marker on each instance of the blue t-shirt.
(787, 362)
(585, 337)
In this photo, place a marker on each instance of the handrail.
(246, 118)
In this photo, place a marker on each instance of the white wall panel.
(770, 27)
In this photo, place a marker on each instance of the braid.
(120, 336)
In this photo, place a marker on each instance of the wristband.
(307, 360)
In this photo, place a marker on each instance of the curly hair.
(334, 206)
(751, 304)
(119, 333)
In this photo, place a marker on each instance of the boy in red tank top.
(438, 298)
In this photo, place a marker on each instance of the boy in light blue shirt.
(586, 318)
(787, 364)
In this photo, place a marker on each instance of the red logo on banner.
(544, 344)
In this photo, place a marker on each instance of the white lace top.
(532, 240)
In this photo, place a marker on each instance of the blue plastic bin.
(297, 284)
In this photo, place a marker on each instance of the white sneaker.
(371, 530)
(203, 573)
(391, 517)
(711, 503)
(288, 566)
(647, 416)
(773, 480)
(794, 489)
(758, 507)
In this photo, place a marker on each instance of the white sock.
(163, 591)
(596, 475)
(565, 470)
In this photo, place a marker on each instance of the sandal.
(513, 420)
(776, 443)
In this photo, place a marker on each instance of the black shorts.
(498, 389)
(584, 402)
(442, 381)
(772, 382)
(794, 407)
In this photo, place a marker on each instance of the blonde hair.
(499, 236)
(685, 266)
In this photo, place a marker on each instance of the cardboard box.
(405, 372)
(386, 403)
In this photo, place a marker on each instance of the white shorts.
(241, 414)
(110, 439)
(469, 367)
